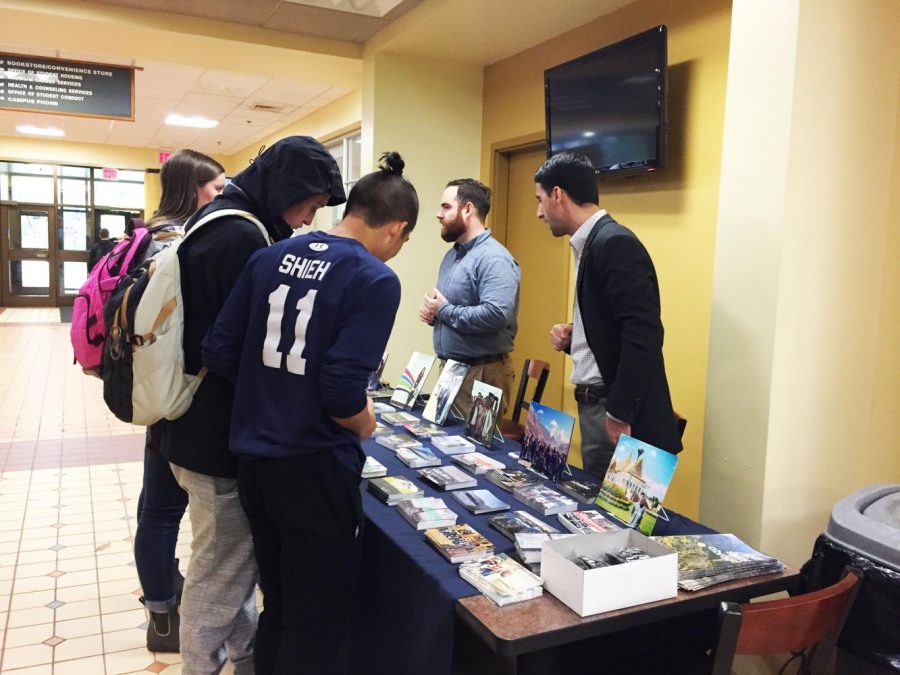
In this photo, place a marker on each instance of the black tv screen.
(611, 105)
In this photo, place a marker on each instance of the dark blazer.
(618, 295)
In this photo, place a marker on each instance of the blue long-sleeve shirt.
(306, 323)
(480, 280)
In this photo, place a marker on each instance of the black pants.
(306, 517)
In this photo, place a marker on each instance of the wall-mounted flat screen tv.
(611, 105)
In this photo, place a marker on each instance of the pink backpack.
(88, 331)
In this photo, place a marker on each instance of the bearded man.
(473, 308)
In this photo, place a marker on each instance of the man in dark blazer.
(616, 335)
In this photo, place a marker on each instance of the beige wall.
(809, 216)
(836, 367)
(343, 114)
(430, 112)
(748, 251)
(674, 211)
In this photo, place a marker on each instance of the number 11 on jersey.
(295, 362)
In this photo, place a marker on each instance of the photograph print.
(545, 445)
(412, 380)
(374, 383)
(636, 483)
(444, 393)
(482, 417)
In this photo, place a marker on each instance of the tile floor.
(70, 475)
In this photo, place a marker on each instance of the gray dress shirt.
(480, 280)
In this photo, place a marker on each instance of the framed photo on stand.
(412, 380)
(481, 422)
(444, 393)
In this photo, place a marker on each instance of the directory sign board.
(60, 87)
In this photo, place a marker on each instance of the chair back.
(810, 623)
(533, 369)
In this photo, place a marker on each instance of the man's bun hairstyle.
(392, 163)
(384, 196)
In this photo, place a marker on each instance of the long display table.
(410, 596)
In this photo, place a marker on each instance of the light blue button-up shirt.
(480, 280)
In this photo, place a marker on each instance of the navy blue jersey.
(306, 323)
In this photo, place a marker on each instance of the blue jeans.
(160, 508)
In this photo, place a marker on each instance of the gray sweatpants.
(218, 605)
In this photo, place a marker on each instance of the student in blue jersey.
(282, 188)
(306, 324)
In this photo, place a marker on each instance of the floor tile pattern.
(70, 475)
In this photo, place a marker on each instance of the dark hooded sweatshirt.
(211, 260)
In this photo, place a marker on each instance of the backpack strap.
(221, 213)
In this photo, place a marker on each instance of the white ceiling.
(162, 88)
(465, 30)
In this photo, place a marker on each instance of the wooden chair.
(807, 625)
(538, 371)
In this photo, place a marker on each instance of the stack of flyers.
(417, 457)
(447, 478)
(502, 579)
(453, 445)
(394, 489)
(398, 419)
(381, 430)
(510, 479)
(586, 522)
(426, 512)
(478, 463)
(373, 468)
(585, 491)
(480, 501)
(424, 429)
(511, 524)
(545, 501)
(396, 441)
(460, 543)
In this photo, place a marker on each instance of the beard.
(453, 230)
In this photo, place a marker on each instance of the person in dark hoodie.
(283, 188)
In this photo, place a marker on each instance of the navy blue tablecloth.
(404, 621)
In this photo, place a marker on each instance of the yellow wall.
(673, 212)
(430, 112)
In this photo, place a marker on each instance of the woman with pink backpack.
(189, 180)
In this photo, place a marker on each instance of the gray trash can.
(864, 531)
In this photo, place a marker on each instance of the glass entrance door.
(28, 278)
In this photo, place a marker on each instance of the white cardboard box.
(607, 588)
